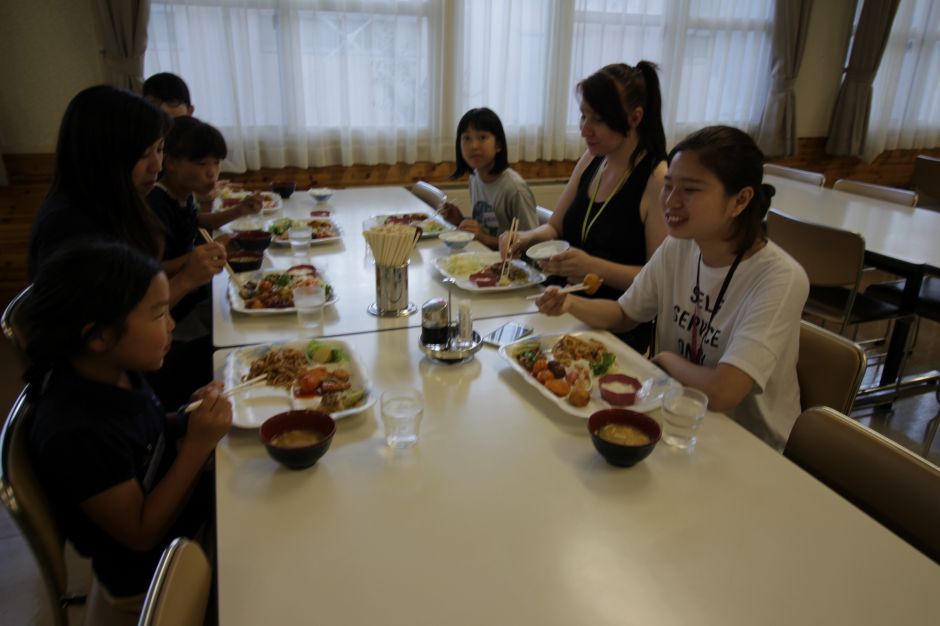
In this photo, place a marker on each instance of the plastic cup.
(309, 301)
(401, 414)
(683, 411)
(300, 237)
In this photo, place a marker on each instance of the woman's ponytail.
(650, 131)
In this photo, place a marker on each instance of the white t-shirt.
(756, 329)
(496, 203)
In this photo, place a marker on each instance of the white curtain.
(318, 82)
(905, 110)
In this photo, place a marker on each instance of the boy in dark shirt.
(170, 93)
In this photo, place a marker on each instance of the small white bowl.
(456, 239)
(244, 224)
(547, 249)
(321, 194)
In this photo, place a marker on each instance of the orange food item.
(544, 376)
(558, 386)
(579, 397)
(592, 282)
(539, 365)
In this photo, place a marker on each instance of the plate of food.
(320, 374)
(229, 197)
(269, 292)
(324, 229)
(431, 224)
(479, 271)
(585, 372)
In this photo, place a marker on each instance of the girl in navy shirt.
(122, 480)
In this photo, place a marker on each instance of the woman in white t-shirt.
(727, 301)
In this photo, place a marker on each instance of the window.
(332, 82)
(905, 109)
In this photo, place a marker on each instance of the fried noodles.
(282, 367)
(569, 349)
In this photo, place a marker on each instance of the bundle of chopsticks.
(392, 244)
(507, 262)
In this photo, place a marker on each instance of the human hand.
(520, 242)
(574, 264)
(553, 302)
(211, 420)
(450, 212)
(251, 205)
(470, 226)
(204, 262)
(210, 196)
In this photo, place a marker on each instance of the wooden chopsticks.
(205, 235)
(513, 229)
(257, 380)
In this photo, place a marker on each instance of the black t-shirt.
(178, 221)
(181, 227)
(88, 437)
(57, 222)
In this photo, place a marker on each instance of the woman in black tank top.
(610, 210)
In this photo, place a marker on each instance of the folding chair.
(803, 176)
(903, 197)
(179, 591)
(891, 484)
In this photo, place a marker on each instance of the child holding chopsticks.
(122, 477)
(193, 151)
(497, 192)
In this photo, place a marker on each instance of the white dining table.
(901, 233)
(899, 239)
(503, 513)
(349, 266)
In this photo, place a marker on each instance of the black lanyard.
(696, 347)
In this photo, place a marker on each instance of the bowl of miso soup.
(623, 437)
(297, 439)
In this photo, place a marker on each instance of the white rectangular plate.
(253, 405)
(378, 220)
(286, 242)
(238, 303)
(628, 362)
(488, 258)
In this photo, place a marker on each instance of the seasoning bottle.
(434, 322)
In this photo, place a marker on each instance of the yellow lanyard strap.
(586, 225)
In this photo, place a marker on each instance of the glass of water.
(309, 300)
(683, 411)
(401, 413)
(300, 237)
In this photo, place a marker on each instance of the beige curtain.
(853, 104)
(123, 28)
(777, 133)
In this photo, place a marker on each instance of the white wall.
(49, 52)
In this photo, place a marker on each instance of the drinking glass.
(300, 237)
(401, 413)
(683, 411)
(309, 300)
